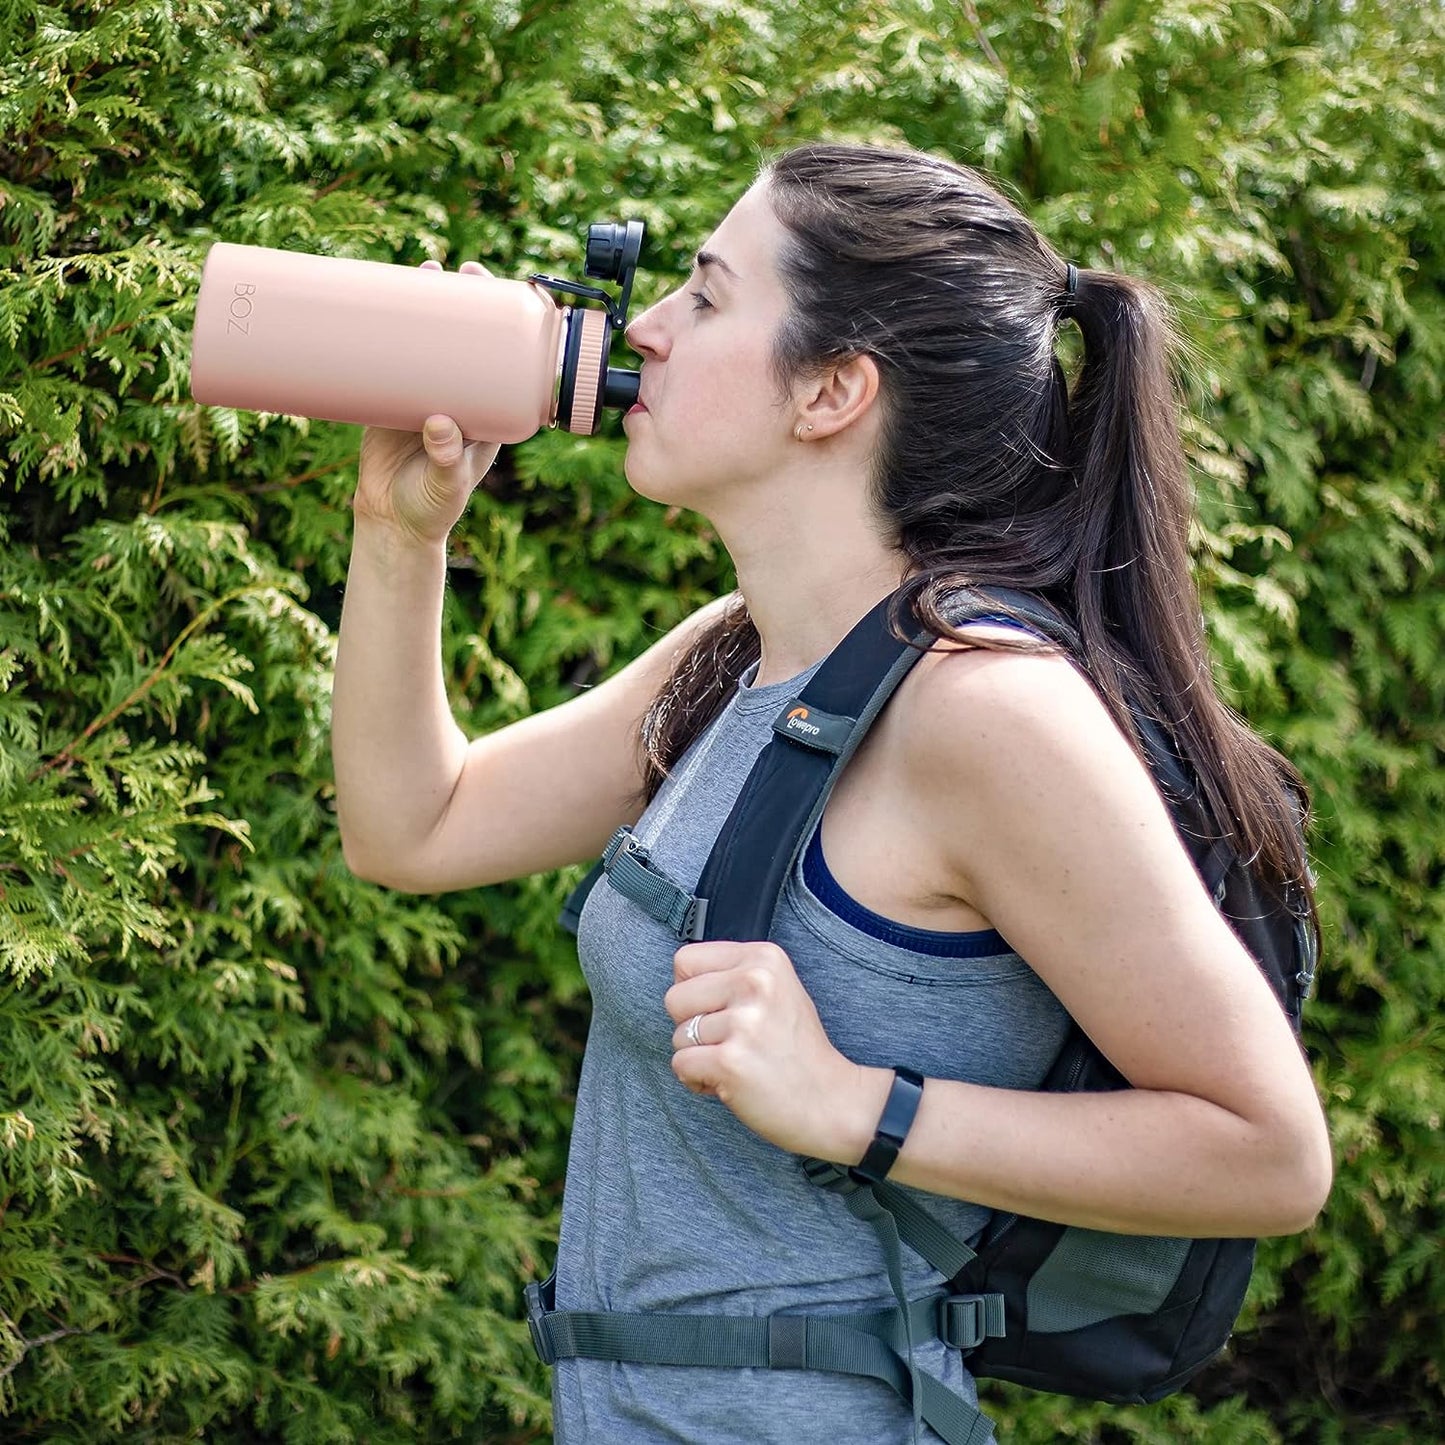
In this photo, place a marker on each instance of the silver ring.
(690, 1033)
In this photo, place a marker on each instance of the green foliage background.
(277, 1148)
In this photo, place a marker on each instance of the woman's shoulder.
(1023, 683)
(979, 715)
(1022, 786)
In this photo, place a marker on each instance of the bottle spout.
(621, 388)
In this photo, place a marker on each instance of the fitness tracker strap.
(893, 1126)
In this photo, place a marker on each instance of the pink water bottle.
(387, 345)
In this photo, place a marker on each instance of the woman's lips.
(635, 408)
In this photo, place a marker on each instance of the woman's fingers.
(713, 1027)
(421, 483)
(704, 994)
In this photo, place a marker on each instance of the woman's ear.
(835, 400)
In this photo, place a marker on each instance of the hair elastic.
(1071, 288)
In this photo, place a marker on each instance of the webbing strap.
(965, 1320)
(923, 1233)
(631, 871)
(863, 1204)
(844, 1344)
(868, 1345)
(917, 1228)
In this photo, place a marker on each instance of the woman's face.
(710, 415)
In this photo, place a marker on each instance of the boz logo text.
(241, 308)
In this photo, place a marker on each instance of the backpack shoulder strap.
(814, 735)
(1024, 609)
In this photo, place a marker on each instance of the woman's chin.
(642, 481)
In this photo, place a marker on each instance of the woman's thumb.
(442, 438)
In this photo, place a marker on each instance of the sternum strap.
(631, 871)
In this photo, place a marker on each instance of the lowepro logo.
(798, 722)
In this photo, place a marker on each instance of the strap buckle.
(965, 1321)
(832, 1176)
(624, 840)
(537, 1323)
(840, 1179)
(694, 920)
(1308, 954)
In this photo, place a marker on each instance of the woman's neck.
(808, 575)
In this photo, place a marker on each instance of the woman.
(858, 387)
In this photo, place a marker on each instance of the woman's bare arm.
(1059, 838)
(1049, 827)
(420, 807)
(423, 809)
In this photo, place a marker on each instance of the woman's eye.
(700, 301)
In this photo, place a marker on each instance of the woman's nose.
(647, 334)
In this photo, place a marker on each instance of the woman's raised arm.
(420, 807)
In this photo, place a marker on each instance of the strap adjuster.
(831, 1176)
(965, 1321)
(694, 920)
(627, 865)
(624, 840)
(537, 1324)
(787, 1342)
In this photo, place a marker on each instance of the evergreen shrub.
(278, 1148)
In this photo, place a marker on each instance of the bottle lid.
(584, 364)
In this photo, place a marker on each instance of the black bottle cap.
(613, 248)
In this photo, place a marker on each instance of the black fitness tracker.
(893, 1127)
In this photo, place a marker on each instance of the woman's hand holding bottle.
(420, 482)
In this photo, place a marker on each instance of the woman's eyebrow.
(710, 258)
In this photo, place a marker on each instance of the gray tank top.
(672, 1204)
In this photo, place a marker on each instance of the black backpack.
(1124, 1318)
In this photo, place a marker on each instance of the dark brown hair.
(990, 469)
